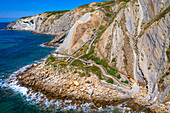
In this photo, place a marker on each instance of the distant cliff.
(130, 36)
(53, 23)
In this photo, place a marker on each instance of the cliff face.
(136, 43)
(53, 23)
(132, 37)
(81, 31)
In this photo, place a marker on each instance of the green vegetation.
(168, 54)
(56, 12)
(50, 59)
(75, 71)
(25, 17)
(100, 33)
(126, 82)
(119, 76)
(105, 3)
(142, 54)
(91, 56)
(93, 10)
(158, 17)
(96, 41)
(149, 68)
(123, 0)
(110, 80)
(101, 27)
(111, 71)
(116, 13)
(93, 69)
(108, 14)
(77, 63)
(96, 71)
(114, 60)
(81, 74)
(94, 29)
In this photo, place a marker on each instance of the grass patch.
(123, 0)
(111, 71)
(110, 80)
(101, 27)
(126, 82)
(93, 10)
(100, 33)
(77, 63)
(91, 56)
(50, 59)
(105, 3)
(57, 12)
(96, 71)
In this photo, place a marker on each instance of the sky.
(11, 10)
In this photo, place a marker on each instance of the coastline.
(95, 102)
(82, 83)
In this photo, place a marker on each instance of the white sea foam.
(43, 45)
(37, 98)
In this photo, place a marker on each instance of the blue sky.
(11, 10)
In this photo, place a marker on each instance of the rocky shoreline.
(71, 86)
(127, 40)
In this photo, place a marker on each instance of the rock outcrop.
(81, 32)
(137, 40)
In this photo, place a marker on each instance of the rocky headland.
(108, 53)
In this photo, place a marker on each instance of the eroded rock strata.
(108, 51)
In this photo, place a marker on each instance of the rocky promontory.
(108, 52)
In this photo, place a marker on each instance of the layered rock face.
(136, 43)
(81, 32)
(53, 23)
(134, 40)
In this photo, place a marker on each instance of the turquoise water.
(18, 49)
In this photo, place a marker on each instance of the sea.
(19, 50)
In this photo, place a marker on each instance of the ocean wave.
(37, 98)
(43, 45)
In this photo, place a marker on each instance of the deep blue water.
(18, 49)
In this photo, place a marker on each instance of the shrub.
(77, 63)
(110, 80)
(108, 14)
(93, 10)
(119, 76)
(50, 59)
(123, 0)
(96, 71)
(126, 82)
(111, 71)
(101, 27)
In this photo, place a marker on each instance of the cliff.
(53, 23)
(128, 40)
